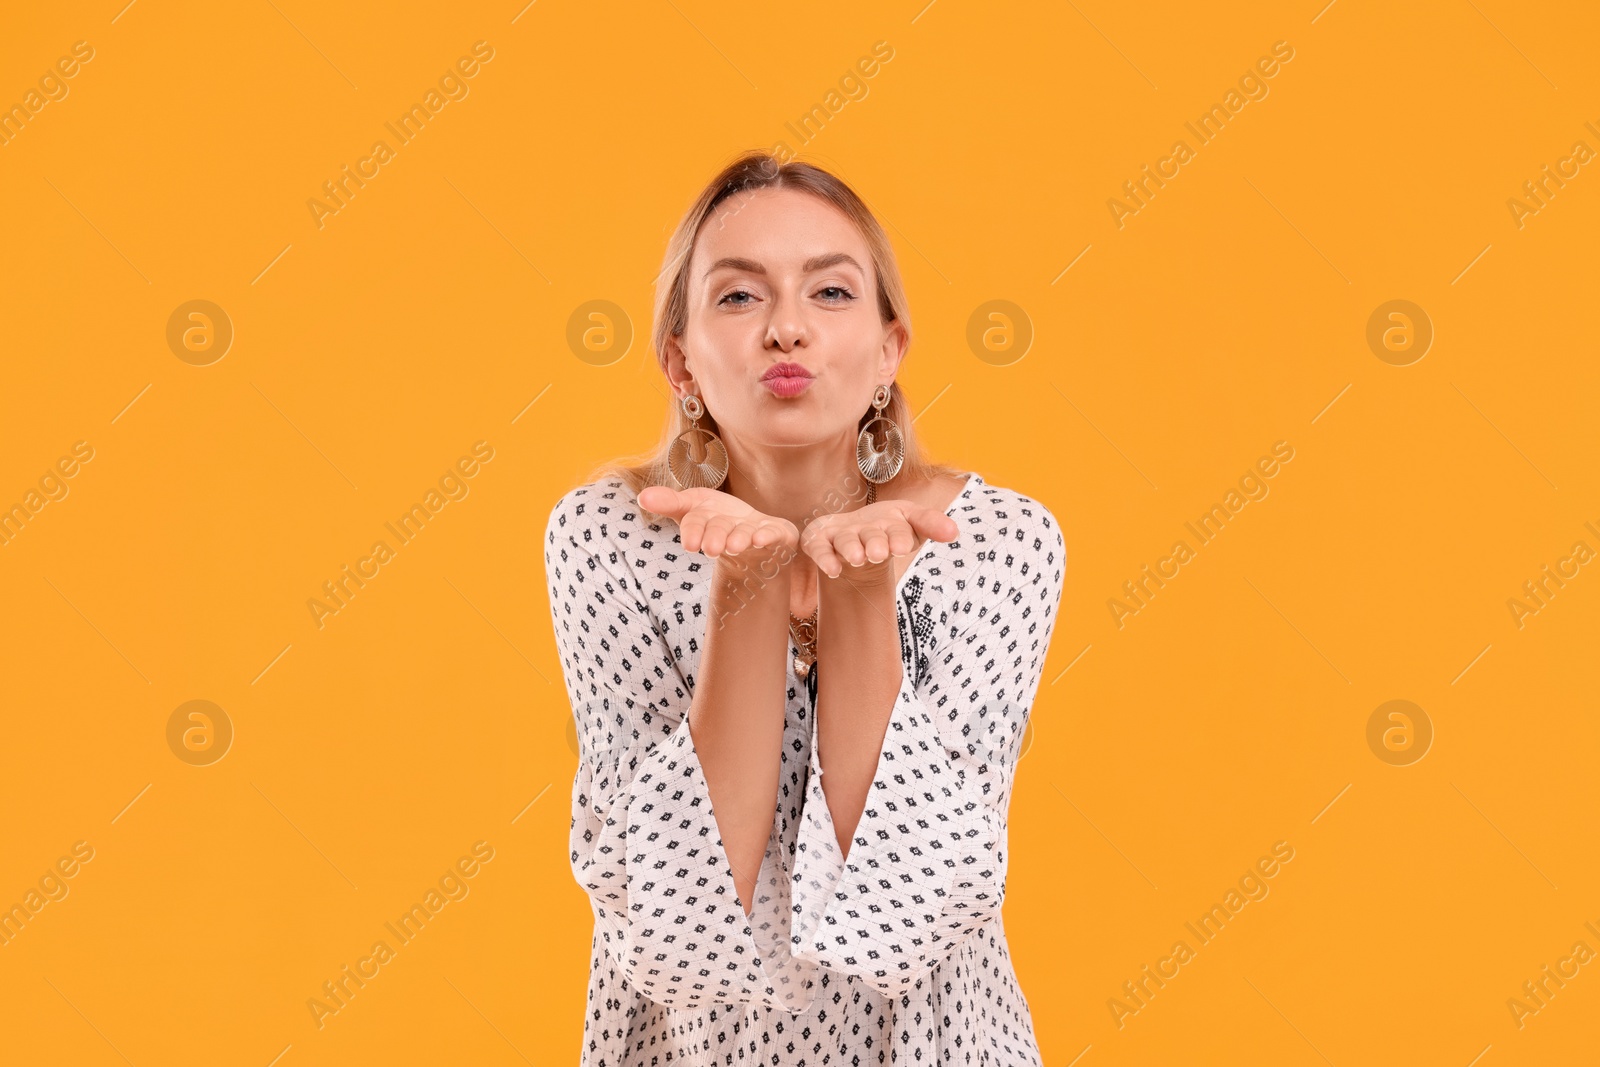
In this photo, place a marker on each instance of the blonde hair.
(760, 170)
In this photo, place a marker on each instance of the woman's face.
(780, 277)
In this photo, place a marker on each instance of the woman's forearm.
(859, 674)
(736, 715)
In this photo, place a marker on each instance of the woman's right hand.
(719, 525)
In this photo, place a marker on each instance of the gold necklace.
(803, 632)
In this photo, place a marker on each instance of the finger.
(739, 538)
(663, 500)
(781, 536)
(902, 539)
(821, 551)
(817, 549)
(691, 530)
(716, 535)
(934, 525)
(847, 546)
(875, 543)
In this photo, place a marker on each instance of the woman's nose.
(785, 328)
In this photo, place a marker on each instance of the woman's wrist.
(750, 581)
(863, 591)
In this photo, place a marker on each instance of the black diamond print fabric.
(894, 956)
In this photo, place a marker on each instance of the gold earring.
(697, 458)
(880, 449)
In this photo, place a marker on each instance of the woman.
(801, 660)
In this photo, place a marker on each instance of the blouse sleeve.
(927, 863)
(645, 844)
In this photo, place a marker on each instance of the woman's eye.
(834, 294)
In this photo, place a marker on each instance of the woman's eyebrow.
(813, 264)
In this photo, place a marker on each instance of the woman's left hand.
(859, 545)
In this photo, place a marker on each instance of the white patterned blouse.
(896, 955)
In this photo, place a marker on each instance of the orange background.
(1169, 754)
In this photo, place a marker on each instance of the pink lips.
(787, 379)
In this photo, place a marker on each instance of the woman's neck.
(798, 484)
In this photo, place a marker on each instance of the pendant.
(803, 632)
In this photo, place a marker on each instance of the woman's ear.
(676, 367)
(893, 351)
